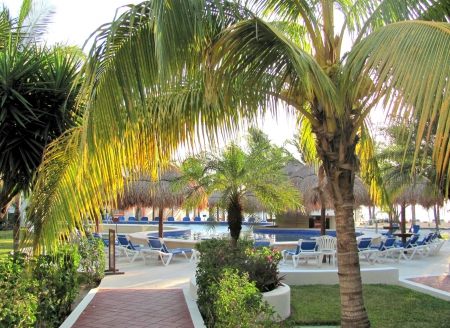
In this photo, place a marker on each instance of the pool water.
(277, 235)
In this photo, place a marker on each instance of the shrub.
(92, 259)
(58, 285)
(260, 266)
(239, 302)
(17, 302)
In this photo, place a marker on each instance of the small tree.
(235, 172)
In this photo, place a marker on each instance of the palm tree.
(173, 72)
(239, 173)
(408, 182)
(38, 103)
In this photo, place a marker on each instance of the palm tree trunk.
(340, 164)
(353, 311)
(413, 215)
(16, 223)
(235, 219)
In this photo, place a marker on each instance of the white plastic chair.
(327, 246)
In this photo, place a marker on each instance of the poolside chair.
(290, 252)
(197, 218)
(163, 251)
(144, 219)
(364, 248)
(379, 250)
(130, 248)
(124, 241)
(131, 219)
(435, 243)
(262, 243)
(401, 250)
(414, 228)
(327, 245)
(186, 218)
(121, 218)
(154, 248)
(156, 219)
(171, 218)
(308, 248)
(422, 247)
(251, 220)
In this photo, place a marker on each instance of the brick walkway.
(438, 282)
(136, 308)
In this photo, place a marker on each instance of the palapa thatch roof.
(250, 202)
(145, 192)
(306, 180)
(419, 193)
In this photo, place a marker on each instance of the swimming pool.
(203, 229)
(196, 232)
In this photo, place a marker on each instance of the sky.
(74, 21)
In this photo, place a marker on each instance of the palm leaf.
(410, 68)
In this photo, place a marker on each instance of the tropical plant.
(400, 174)
(168, 72)
(239, 173)
(257, 269)
(38, 103)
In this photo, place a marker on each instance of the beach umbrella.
(306, 180)
(420, 192)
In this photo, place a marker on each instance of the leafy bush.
(260, 266)
(17, 302)
(58, 285)
(92, 259)
(239, 302)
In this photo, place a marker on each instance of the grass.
(387, 306)
(6, 243)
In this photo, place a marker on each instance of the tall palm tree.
(172, 72)
(239, 173)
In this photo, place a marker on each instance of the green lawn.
(6, 243)
(387, 306)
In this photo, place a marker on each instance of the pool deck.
(153, 295)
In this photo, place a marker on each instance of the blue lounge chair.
(414, 228)
(308, 248)
(305, 249)
(156, 218)
(131, 218)
(130, 248)
(186, 218)
(251, 220)
(197, 218)
(160, 247)
(411, 246)
(261, 243)
(121, 218)
(125, 242)
(378, 250)
(170, 218)
(144, 219)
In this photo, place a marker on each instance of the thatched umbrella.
(315, 198)
(307, 182)
(417, 193)
(250, 202)
(146, 192)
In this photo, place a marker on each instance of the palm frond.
(264, 62)
(410, 68)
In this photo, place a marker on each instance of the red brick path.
(136, 308)
(438, 282)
